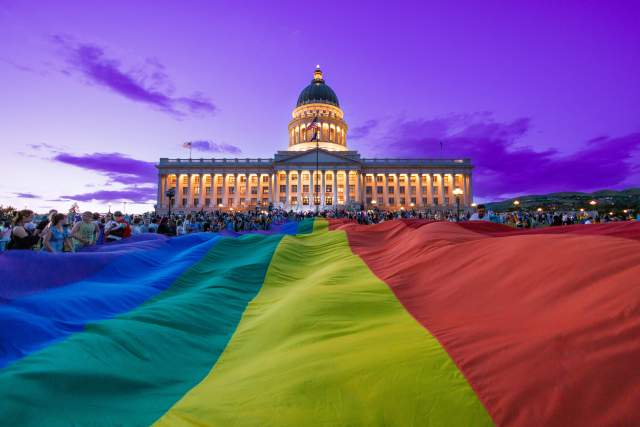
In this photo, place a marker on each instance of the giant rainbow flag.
(328, 323)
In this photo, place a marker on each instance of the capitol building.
(317, 170)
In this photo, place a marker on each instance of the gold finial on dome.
(317, 73)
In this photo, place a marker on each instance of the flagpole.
(317, 167)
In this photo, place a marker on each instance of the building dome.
(318, 92)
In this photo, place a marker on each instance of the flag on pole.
(315, 126)
(187, 145)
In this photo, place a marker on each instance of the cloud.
(118, 167)
(26, 196)
(504, 168)
(133, 194)
(214, 147)
(18, 66)
(363, 130)
(147, 84)
(44, 147)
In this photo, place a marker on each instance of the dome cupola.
(318, 120)
(318, 92)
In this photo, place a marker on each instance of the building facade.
(316, 171)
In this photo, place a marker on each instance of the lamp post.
(109, 207)
(593, 204)
(458, 192)
(170, 193)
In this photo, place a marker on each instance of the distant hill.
(607, 200)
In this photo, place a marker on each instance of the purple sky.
(541, 97)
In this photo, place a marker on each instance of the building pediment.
(309, 157)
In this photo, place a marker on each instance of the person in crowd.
(99, 222)
(117, 228)
(44, 223)
(163, 227)
(56, 234)
(480, 214)
(96, 229)
(85, 232)
(181, 228)
(146, 226)
(136, 226)
(5, 234)
(23, 235)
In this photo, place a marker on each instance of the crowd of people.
(58, 232)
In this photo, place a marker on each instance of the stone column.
(407, 191)
(190, 191)
(334, 188)
(440, 189)
(224, 190)
(259, 189)
(396, 190)
(178, 198)
(312, 188)
(287, 200)
(299, 182)
(452, 181)
(201, 195)
(274, 193)
(183, 195)
(429, 190)
(160, 194)
(419, 192)
(236, 196)
(167, 182)
(385, 192)
(358, 195)
(271, 195)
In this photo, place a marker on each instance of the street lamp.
(109, 207)
(516, 203)
(539, 209)
(593, 203)
(170, 193)
(458, 192)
